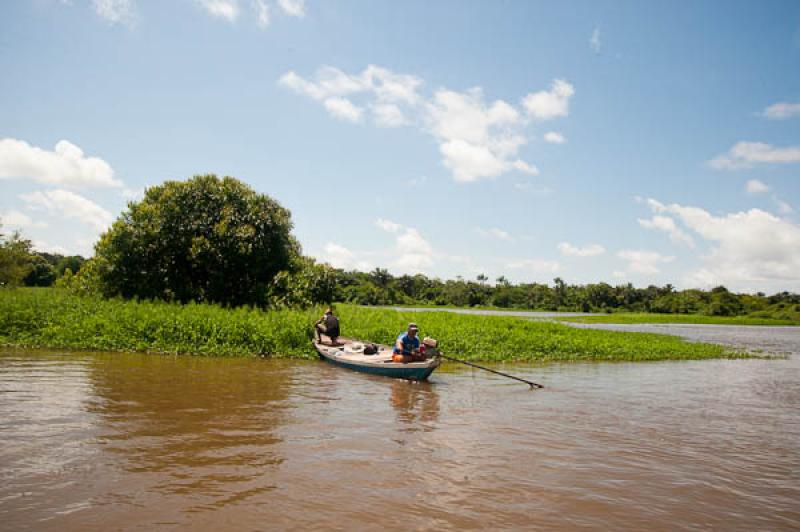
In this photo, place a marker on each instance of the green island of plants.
(48, 317)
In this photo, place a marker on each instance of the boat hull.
(379, 364)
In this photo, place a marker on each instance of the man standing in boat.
(328, 325)
(406, 348)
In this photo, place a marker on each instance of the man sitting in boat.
(328, 325)
(406, 348)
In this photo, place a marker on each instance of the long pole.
(529, 383)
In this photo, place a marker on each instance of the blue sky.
(643, 142)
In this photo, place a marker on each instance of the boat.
(349, 353)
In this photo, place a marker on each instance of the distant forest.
(379, 287)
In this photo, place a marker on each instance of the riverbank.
(49, 317)
(693, 319)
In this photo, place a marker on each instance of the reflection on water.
(416, 403)
(127, 442)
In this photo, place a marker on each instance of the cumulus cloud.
(667, 225)
(343, 109)
(754, 186)
(496, 233)
(65, 166)
(781, 111)
(546, 105)
(749, 248)
(477, 139)
(333, 88)
(388, 115)
(225, 9)
(294, 8)
(746, 154)
(642, 261)
(19, 220)
(67, 204)
(388, 225)
(594, 41)
(47, 247)
(116, 11)
(262, 11)
(554, 137)
(339, 256)
(591, 250)
(412, 253)
(783, 207)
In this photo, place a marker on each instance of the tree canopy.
(204, 239)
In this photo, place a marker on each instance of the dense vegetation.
(21, 265)
(216, 240)
(379, 287)
(204, 239)
(49, 317)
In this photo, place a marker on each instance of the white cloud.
(594, 41)
(496, 233)
(783, 207)
(294, 8)
(19, 220)
(262, 13)
(667, 225)
(387, 90)
(781, 110)
(554, 137)
(388, 225)
(412, 253)
(67, 204)
(65, 166)
(536, 265)
(339, 256)
(591, 250)
(754, 186)
(642, 261)
(226, 9)
(343, 109)
(745, 154)
(545, 105)
(46, 247)
(751, 248)
(388, 115)
(477, 140)
(116, 11)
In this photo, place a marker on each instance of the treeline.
(379, 287)
(312, 283)
(21, 265)
(216, 240)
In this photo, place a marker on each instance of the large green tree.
(205, 239)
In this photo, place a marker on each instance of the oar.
(529, 383)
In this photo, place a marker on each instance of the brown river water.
(143, 442)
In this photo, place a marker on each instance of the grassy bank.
(634, 318)
(51, 318)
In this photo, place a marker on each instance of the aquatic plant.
(48, 317)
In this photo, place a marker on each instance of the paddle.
(529, 383)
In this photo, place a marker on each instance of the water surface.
(138, 442)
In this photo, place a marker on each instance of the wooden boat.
(349, 353)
